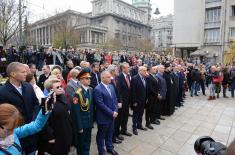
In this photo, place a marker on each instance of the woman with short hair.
(56, 139)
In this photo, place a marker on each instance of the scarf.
(7, 141)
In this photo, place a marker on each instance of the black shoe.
(161, 118)
(126, 133)
(120, 137)
(117, 141)
(196, 94)
(150, 127)
(135, 132)
(113, 152)
(225, 96)
(142, 128)
(157, 122)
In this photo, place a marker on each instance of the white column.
(87, 39)
(49, 35)
(46, 35)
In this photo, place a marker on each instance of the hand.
(115, 114)
(51, 141)
(135, 104)
(81, 131)
(119, 105)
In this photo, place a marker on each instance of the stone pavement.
(176, 135)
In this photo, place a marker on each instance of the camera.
(48, 103)
(207, 146)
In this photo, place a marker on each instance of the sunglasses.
(59, 87)
(2, 127)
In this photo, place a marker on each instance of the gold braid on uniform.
(84, 105)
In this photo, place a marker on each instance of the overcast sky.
(39, 9)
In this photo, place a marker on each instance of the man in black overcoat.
(153, 98)
(138, 98)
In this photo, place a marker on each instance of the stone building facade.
(162, 33)
(204, 25)
(109, 19)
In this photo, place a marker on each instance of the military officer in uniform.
(82, 113)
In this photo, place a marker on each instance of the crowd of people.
(106, 89)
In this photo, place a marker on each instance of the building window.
(213, 14)
(233, 10)
(232, 32)
(212, 35)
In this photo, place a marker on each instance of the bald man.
(138, 98)
(106, 104)
(21, 94)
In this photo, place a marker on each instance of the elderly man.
(153, 98)
(85, 64)
(73, 83)
(124, 89)
(106, 111)
(43, 77)
(117, 138)
(138, 98)
(21, 94)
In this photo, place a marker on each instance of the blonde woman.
(58, 134)
(58, 74)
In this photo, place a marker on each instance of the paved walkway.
(177, 134)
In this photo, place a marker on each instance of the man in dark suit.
(138, 98)
(124, 89)
(43, 77)
(117, 138)
(106, 111)
(68, 67)
(72, 84)
(162, 91)
(135, 69)
(124, 58)
(176, 81)
(95, 76)
(153, 98)
(22, 96)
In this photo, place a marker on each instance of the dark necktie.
(144, 83)
(114, 82)
(127, 81)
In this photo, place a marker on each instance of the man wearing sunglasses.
(82, 112)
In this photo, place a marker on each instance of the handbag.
(217, 79)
